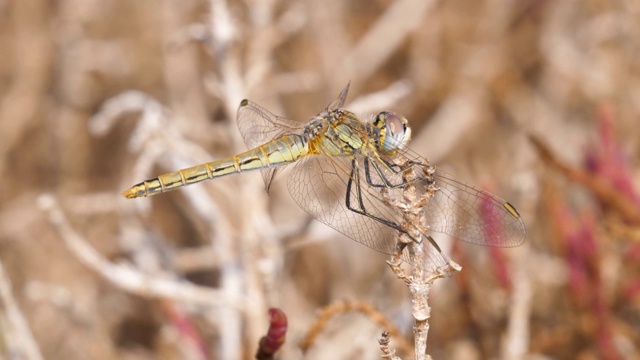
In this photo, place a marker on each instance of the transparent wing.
(473, 215)
(339, 101)
(468, 213)
(324, 185)
(320, 186)
(258, 126)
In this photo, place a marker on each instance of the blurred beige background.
(98, 95)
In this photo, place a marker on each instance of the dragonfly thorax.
(394, 132)
(337, 132)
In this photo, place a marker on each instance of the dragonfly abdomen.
(283, 150)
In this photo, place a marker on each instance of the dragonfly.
(342, 168)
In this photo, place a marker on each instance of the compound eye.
(397, 132)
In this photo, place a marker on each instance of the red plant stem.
(185, 327)
(276, 335)
(601, 187)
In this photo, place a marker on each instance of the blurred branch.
(18, 341)
(605, 192)
(344, 307)
(130, 101)
(456, 117)
(30, 80)
(383, 39)
(381, 100)
(128, 278)
(191, 342)
(516, 344)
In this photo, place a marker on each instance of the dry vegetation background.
(98, 95)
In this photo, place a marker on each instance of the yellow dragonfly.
(342, 167)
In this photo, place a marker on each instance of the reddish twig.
(185, 327)
(275, 337)
(583, 257)
(603, 189)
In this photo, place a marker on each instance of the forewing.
(319, 184)
(473, 215)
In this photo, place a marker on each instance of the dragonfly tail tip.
(130, 193)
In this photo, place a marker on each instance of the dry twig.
(421, 251)
(18, 339)
(606, 192)
(344, 307)
(126, 277)
(387, 352)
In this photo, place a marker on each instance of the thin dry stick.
(19, 342)
(344, 307)
(383, 38)
(421, 251)
(516, 342)
(606, 192)
(387, 352)
(127, 278)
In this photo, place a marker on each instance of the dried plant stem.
(517, 337)
(606, 192)
(419, 284)
(19, 341)
(344, 307)
(126, 277)
(420, 299)
(387, 352)
(421, 250)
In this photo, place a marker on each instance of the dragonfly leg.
(367, 173)
(388, 184)
(354, 180)
(403, 167)
(385, 182)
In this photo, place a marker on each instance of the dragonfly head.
(394, 130)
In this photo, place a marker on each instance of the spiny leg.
(355, 176)
(386, 183)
